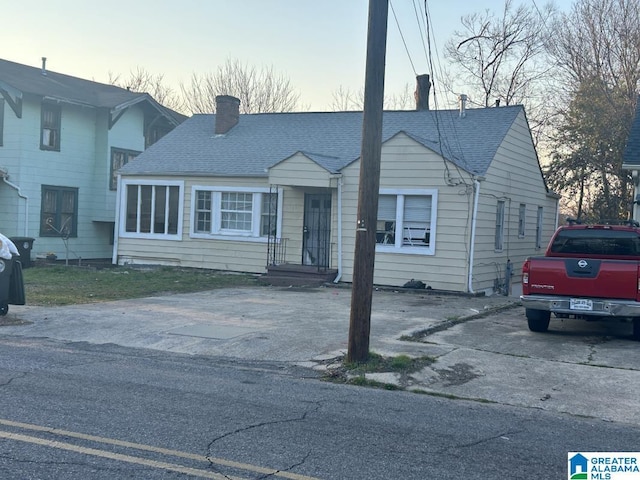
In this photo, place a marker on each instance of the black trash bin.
(24, 246)
(11, 284)
(6, 269)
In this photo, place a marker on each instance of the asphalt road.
(73, 410)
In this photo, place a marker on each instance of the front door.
(316, 235)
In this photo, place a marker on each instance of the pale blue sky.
(319, 45)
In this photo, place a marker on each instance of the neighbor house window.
(119, 158)
(499, 237)
(50, 120)
(406, 221)
(522, 214)
(539, 228)
(239, 212)
(152, 208)
(59, 212)
(1, 119)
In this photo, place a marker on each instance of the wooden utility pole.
(362, 288)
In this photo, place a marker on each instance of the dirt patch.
(458, 374)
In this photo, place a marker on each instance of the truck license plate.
(581, 304)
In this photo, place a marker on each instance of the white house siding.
(212, 253)
(406, 164)
(515, 177)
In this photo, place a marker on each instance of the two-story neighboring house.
(62, 139)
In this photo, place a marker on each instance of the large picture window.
(236, 212)
(406, 221)
(59, 212)
(152, 209)
(50, 131)
(119, 158)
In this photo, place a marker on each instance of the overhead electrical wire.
(403, 40)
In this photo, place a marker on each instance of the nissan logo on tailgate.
(582, 263)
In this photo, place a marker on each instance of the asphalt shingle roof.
(62, 87)
(331, 139)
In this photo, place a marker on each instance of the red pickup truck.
(588, 271)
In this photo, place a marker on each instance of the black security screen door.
(316, 236)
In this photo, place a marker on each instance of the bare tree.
(142, 81)
(501, 57)
(345, 99)
(597, 46)
(260, 90)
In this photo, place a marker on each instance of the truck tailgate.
(596, 278)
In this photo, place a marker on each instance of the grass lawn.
(67, 285)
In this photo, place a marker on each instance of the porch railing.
(276, 251)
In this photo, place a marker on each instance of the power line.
(422, 35)
(403, 40)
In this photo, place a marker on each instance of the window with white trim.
(406, 221)
(522, 216)
(539, 228)
(238, 212)
(499, 236)
(269, 215)
(152, 208)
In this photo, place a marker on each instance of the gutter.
(5, 178)
(339, 276)
(474, 218)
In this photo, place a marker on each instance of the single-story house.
(462, 196)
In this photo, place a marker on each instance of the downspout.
(116, 226)
(5, 178)
(474, 217)
(339, 276)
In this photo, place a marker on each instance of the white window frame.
(539, 226)
(522, 220)
(217, 232)
(398, 246)
(501, 208)
(157, 183)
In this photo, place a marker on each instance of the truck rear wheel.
(636, 329)
(538, 320)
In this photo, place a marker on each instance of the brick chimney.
(227, 113)
(423, 86)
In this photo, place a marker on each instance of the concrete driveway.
(482, 350)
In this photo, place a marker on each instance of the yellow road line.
(113, 456)
(138, 446)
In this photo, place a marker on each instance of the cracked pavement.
(482, 347)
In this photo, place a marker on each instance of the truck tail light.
(525, 276)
